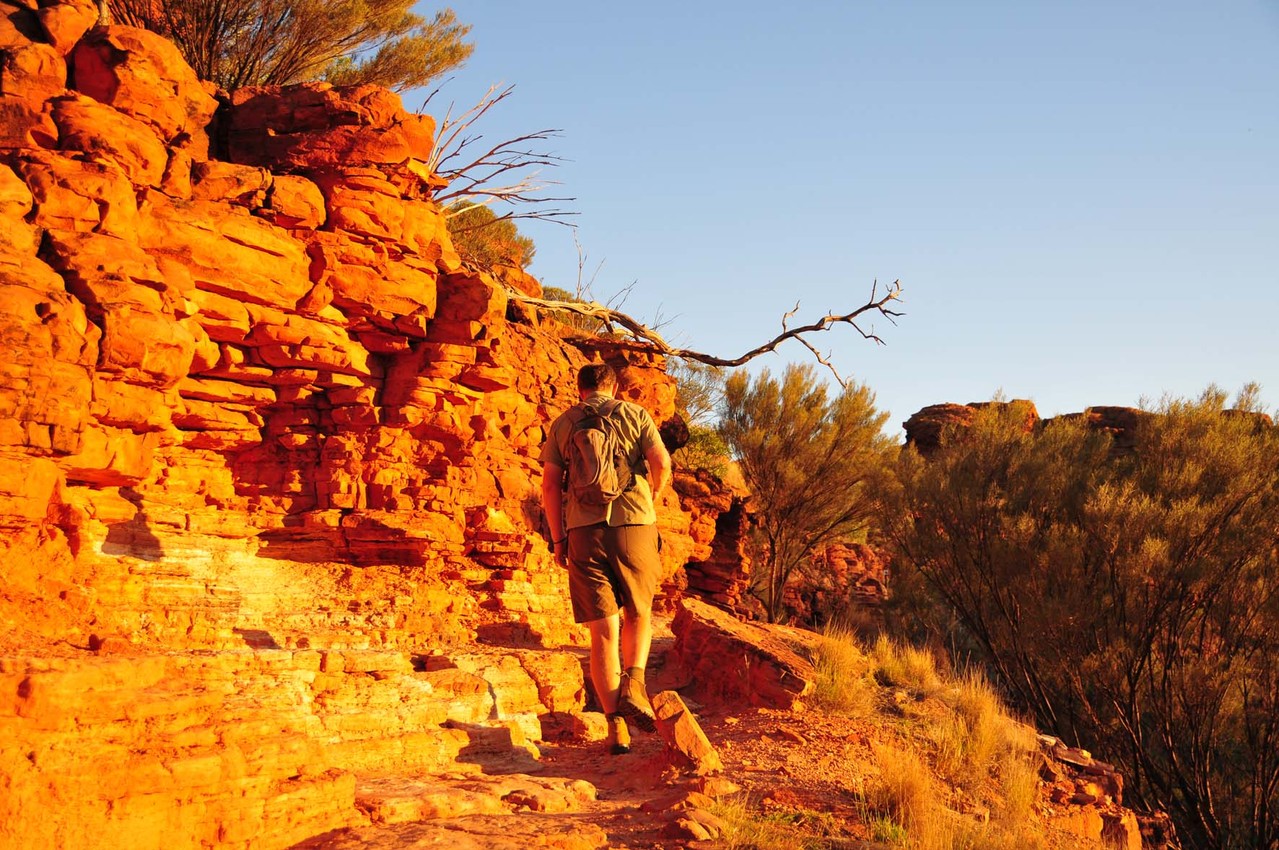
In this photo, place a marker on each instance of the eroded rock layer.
(268, 456)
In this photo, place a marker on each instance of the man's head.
(597, 378)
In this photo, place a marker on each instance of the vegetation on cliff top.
(238, 43)
(485, 239)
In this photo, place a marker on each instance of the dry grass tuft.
(1019, 782)
(746, 829)
(904, 789)
(844, 681)
(903, 666)
(977, 746)
(968, 742)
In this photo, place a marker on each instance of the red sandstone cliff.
(268, 455)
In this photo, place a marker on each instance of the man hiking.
(602, 465)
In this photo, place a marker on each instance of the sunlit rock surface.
(269, 489)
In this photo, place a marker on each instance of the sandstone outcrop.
(272, 560)
(717, 568)
(1085, 797)
(722, 659)
(268, 459)
(930, 426)
(843, 582)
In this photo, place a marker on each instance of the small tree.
(486, 239)
(237, 43)
(812, 463)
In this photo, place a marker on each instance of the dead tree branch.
(644, 338)
(508, 171)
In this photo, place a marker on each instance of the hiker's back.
(633, 433)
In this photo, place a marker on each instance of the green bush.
(484, 239)
(814, 464)
(1129, 598)
(706, 450)
(237, 43)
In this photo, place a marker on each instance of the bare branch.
(508, 171)
(823, 359)
(645, 338)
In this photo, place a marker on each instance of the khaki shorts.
(610, 568)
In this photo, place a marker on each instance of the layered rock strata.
(269, 514)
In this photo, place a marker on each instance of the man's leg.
(606, 678)
(637, 637)
(606, 672)
(634, 553)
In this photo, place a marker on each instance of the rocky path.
(574, 795)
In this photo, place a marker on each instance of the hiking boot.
(619, 737)
(633, 704)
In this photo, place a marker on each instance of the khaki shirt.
(639, 434)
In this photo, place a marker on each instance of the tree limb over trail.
(645, 338)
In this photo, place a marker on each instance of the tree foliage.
(1129, 599)
(585, 324)
(813, 465)
(237, 43)
(699, 392)
(485, 239)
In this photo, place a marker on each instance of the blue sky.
(1081, 199)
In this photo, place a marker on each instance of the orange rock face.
(269, 489)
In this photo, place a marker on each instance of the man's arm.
(659, 467)
(553, 507)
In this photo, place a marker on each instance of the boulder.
(295, 202)
(34, 72)
(316, 127)
(226, 250)
(25, 125)
(684, 736)
(143, 75)
(106, 135)
(67, 21)
(74, 195)
(725, 659)
(242, 185)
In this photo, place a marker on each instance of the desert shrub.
(706, 450)
(1128, 598)
(237, 43)
(699, 391)
(813, 464)
(484, 239)
(585, 324)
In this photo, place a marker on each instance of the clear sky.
(1080, 198)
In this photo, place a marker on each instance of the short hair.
(597, 376)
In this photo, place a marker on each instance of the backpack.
(598, 471)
